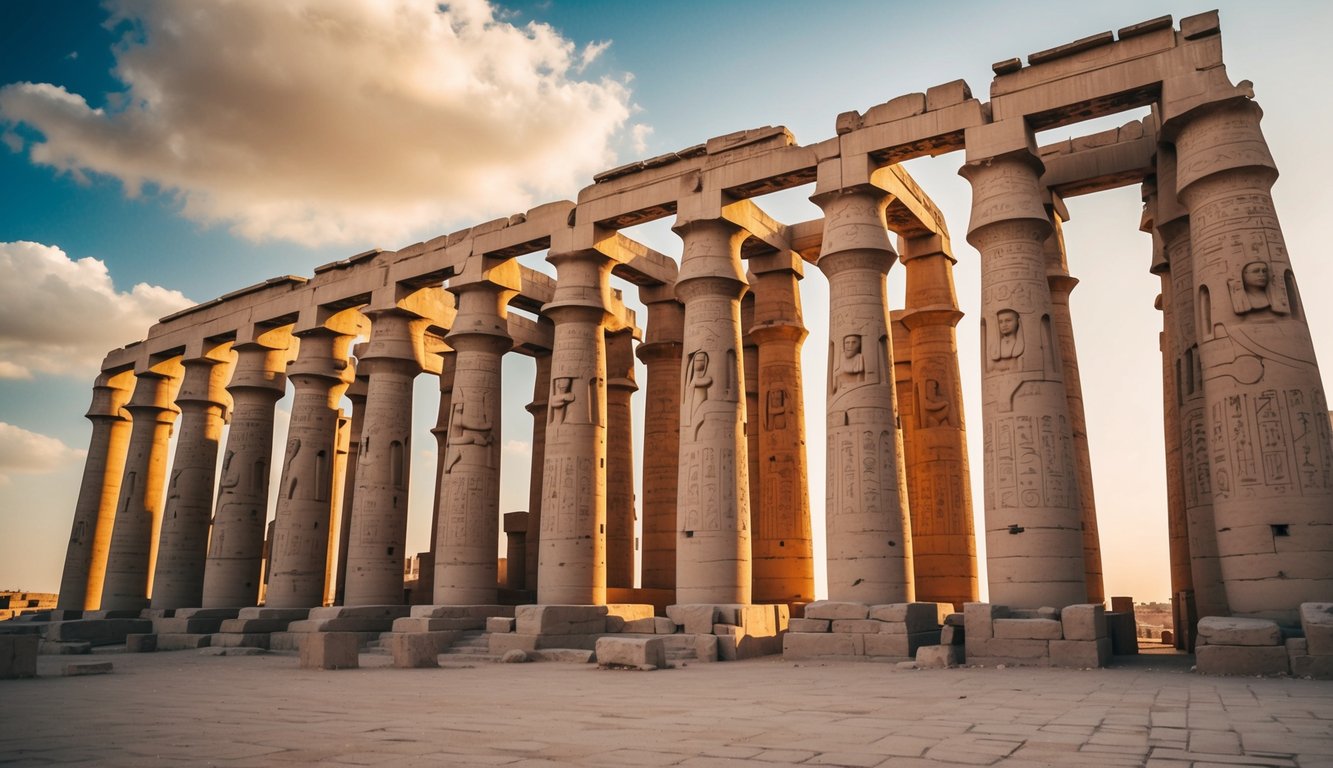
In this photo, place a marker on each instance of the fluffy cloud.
(326, 121)
(60, 316)
(24, 452)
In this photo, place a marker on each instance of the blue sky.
(254, 147)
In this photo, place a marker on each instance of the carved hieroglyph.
(713, 506)
(1034, 530)
(869, 538)
(1270, 455)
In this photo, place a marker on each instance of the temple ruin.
(726, 525)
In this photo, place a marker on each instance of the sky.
(155, 154)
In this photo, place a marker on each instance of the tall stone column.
(943, 538)
(1269, 444)
(378, 543)
(356, 395)
(1034, 527)
(95, 511)
(129, 562)
(182, 552)
(1061, 284)
(541, 390)
(620, 515)
(574, 534)
(750, 375)
(440, 431)
(783, 544)
(466, 560)
(320, 374)
(713, 505)
(869, 536)
(236, 543)
(661, 356)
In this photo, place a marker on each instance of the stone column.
(178, 580)
(573, 523)
(320, 374)
(356, 395)
(661, 355)
(1269, 444)
(466, 567)
(869, 538)
(236, 543)
(620, 514)
(1034, 527)
(1061, 284)
(750, 370)
(713, 505)
(943, 538)
(95, 511)
(378, 543)
(129, 562)
(448, 364)
(783, 545)
(541, 389)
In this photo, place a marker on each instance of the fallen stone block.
(1317, 621)
(857, 626)
(916, 617)
(140, 643)
(48, 648)
(951, 635)
(482, 612)
(1317, 667)
(809, 625)
(633, 652)
(1247, 660)
(566, 655)
(1229, 630)
(331, 650)
(97, 631)
(559, 619)
(18, 656)
(515, 656)
(440, 623)
(413, 651)
(239, 640)
(831, 609)
(182, 642)
(696, 618)
(1083, 622)
(188, 625)
(1121, 628)
(87, 668)
(629, 611)
(979, 618)
(1027, 629)
(954, 620)
(905, 646)
(809, 645)
(237, 651)
(939, 656)
(495, 624)
(705, 648)
(386, 612)
(1081, 654)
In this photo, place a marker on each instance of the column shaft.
(620, 515)
(356, 395)
(541, 389)
(661, 356)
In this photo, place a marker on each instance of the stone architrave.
(541, 390)
(236, 543)
(661, 356)
(182, 551)
(1268, 439)
(574, 540)
(1034, 527)
(713, 506)
(129, 563)
(466, 549)
(620, 514)
(1061, 284)
(944, 554)
(869, 535)
(782, 543)
(356, 395)
(300, 546)
(377, 546)
(94, 513)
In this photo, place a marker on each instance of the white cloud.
(24, 452)
(518, 448)
(334, 120)
(60, 316)
(639, 134)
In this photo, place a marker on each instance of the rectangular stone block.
(939, 656)
(1120, 627)
(500, 644)
(97, 631)
(638, 627)
(614, 624)
(482, 612)
(1317, 667)
(918, 617)
(387, 612)
(239, 640)
(637, 652)
(1297, 646)
(207, 613)
(264, 612)
(140, 643)
(808, 645)
(87, 668)
(48, 648)
(559, 619)
(344, 624)
(951, 635)
(1027, 629)
(831, 609)
(413, 651)
(1081, 654)
(663, 626)
(243, 625)
(438, 624)
(1230, 630)
(954, 620)
(1317, 621)
(1083, 622)
(498, 624)
(979, 619)
(185, 625)
(696, 618)
(1009, 651)
(629, 611)
(705, 648)
(330, 650)
(287, 641)
(182, 641)
(811, 625)
(18, 656)
(1247, 660)
(902, 646)
(859, 626)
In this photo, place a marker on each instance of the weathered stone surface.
(950, 635)
(899, 645)
(705, 647)
(979, 619)
(1001, 651)
(183, 641)
(1081, 654)
(48, 648)
(639, 653)
(186, 625)
(860, 626)
(918, 617)
(629, 611)
(515, 656)
(808, 645)
(696, 618)
(1027, 629)
(810, 625)
(496, 624)
(97, 631)
(482, 612)
(565, 655)
(140, 643)
(87, 668)
(413, 650)
(236, 651)
(1317, 667)
(1224, 630)
(442, 623)
(1317, 621)
(331, 650)
(831, 609)
(1084, 622)
(559, 619)
(939, 656)
(18, 656)
(1248, 660)
(1121, 628)
(239, 640)
(954, 620)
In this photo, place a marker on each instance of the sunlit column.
(541, 390)
(620, 515)
(661, 356)
(356, 395)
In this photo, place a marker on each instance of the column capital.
(482, 321)
(111, 393)
(203, 384)
(711, 258)
(583, 286)
(854, 225)
(1006, 189)
(924, 317)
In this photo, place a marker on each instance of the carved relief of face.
(563, 384)
(700, 363)
(851, 346)
(1255, 275)
(1008, 322)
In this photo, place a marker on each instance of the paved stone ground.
(184, 708)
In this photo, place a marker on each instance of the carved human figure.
(697, 382)
(230, 476)
(464, 432)
(1255, 291)
(935, 405)
(562, 396)
(289, 482)
(1010, 344)
(852, 366)
(776, 409)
